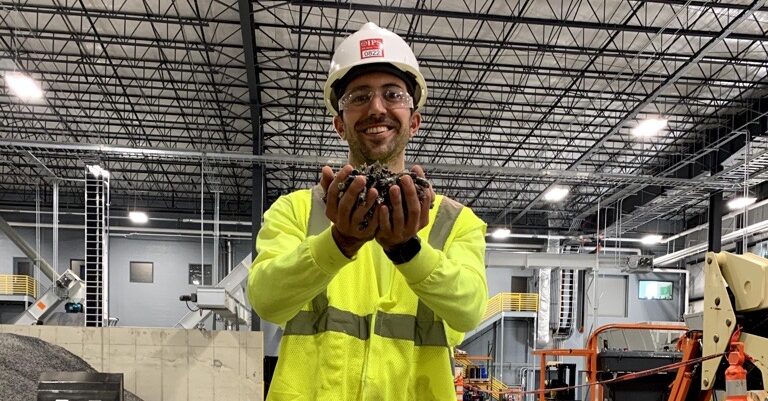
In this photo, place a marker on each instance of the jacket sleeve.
(290, 268)
(452, 282)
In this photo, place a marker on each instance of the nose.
(376, 105)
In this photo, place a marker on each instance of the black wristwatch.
(405, 251)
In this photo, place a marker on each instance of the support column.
(37, 239)
(741, 244)
(247, 29)
(216, 199)
(202, 225)
(55, 240)
(715, 212)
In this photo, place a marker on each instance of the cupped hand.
(351, 228)
(408, 214)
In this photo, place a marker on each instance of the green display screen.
(652, 289)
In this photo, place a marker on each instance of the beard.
(366, 149)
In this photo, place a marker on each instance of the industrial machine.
(226, 299)
(68, 289)
(725, 348)
(219, 301)
(561, 375)
(613, 363)
(735, 318)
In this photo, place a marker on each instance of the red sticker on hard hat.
(371, 48)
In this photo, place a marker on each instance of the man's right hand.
(347, 216)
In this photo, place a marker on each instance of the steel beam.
(274, 160)
(111, 14)
(725, 33)
(720, 140)
(248, 29)
(507, 18)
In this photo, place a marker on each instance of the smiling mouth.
(377, 130)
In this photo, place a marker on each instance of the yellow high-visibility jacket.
(363, 328)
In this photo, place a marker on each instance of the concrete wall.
(167, 364)
(135, 304)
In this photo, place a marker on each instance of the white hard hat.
(375, 46)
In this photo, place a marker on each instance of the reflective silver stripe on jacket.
(422, 329)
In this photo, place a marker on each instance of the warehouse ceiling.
(523, 96)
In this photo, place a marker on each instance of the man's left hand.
(408, 214)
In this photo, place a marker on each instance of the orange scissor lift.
(688, 344)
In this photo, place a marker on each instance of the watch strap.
(404, 252)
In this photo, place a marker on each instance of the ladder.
(96, 240)
(567, 293)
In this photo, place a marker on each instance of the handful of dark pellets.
(381, 178)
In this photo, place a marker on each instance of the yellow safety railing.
(497, 386)
(490, 385)
(11, 284)
(512, 302)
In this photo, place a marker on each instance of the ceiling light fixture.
(23, 86)
(649, 127)
(556, 194)
(97, 171)
(501, 233)
(138, 217)
(651, 239)
(741, 202)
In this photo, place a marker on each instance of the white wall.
(71, 246)
(135, 304)
(638, 310)
(500, 278)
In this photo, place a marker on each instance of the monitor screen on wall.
(653, 289)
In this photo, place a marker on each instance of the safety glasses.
(394, 97)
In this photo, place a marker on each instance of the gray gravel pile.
(22, 359)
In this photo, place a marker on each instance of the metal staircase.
(96, 246)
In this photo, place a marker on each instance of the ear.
(415, 123)
(338, 124)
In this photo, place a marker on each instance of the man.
(371, 312)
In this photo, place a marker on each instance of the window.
(652, 289)
(196, 277)
(23, 267)
(142, 272)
